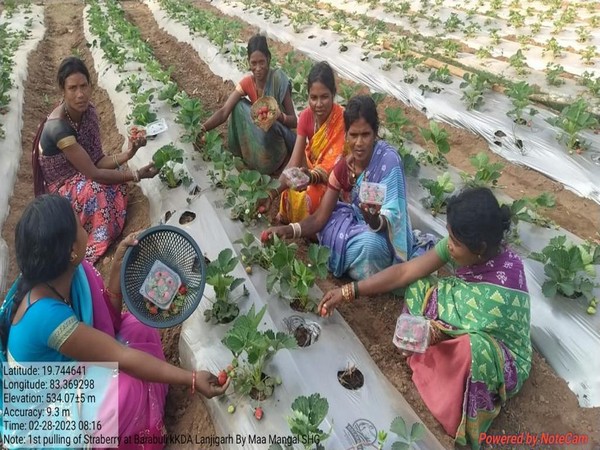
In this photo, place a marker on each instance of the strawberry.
(258, 413)
(153, 310)
(323, 311)
(222, 377)
(262, 209)
(182, 290)
(265, 236)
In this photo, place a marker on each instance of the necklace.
(71, 121)
(353, 174)
(53, 289)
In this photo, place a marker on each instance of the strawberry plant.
(244, 191)
(587, 54)
(395, 121)
(439, 137)
(307, 415)
(553, 73)
(189, 116)
(438, 192)
(487, 174)
(347, 91)
(519, 95)
(583, 34)
(169, 161)
(441, 75)
(223, 310)
(407, 439)
(213, 145)
(169, 93)
(251, 350)
(527, 209)
(572, 120)
(253, 253)
(453, 23)
(223, 163)
(473, 86)
(141, 114)
(517, 61)
(570, 269)
(291, 277)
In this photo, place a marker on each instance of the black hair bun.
(506, 217)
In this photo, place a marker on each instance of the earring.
(478, 256)
(73, 256)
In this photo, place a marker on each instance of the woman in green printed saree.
(267, 151)
(480, 349)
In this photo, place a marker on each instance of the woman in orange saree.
(319, 143)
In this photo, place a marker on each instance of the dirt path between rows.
(545, 403)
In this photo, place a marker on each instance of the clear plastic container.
(161, 285)
(412, 333)
(296, 177)
(372, 193)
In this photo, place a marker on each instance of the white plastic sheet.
(353, 415)
(507, 47)
(540, 149)
(12, 121)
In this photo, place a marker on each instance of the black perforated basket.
(175, 248)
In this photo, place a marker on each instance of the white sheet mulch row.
(10, 147)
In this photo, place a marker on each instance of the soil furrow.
(64, 36)
(534, 409)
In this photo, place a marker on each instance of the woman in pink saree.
(58, 310)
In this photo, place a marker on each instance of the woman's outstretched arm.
(222, 114)
(394, 277)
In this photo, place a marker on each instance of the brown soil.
(302, 336)
(545, 403)
(351, 378)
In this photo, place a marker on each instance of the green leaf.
(400, 446)
(549, 289)
(398, 426)
(417, 431)
(567, 288)
(236, 283)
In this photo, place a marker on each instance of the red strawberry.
(258, 413)
(265, 236)
(182, 290)
(153, 310)
(222, 377)
(262, 209)
(323, 311)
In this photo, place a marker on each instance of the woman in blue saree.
(58, 310)
(267, 151)
(363, 239)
